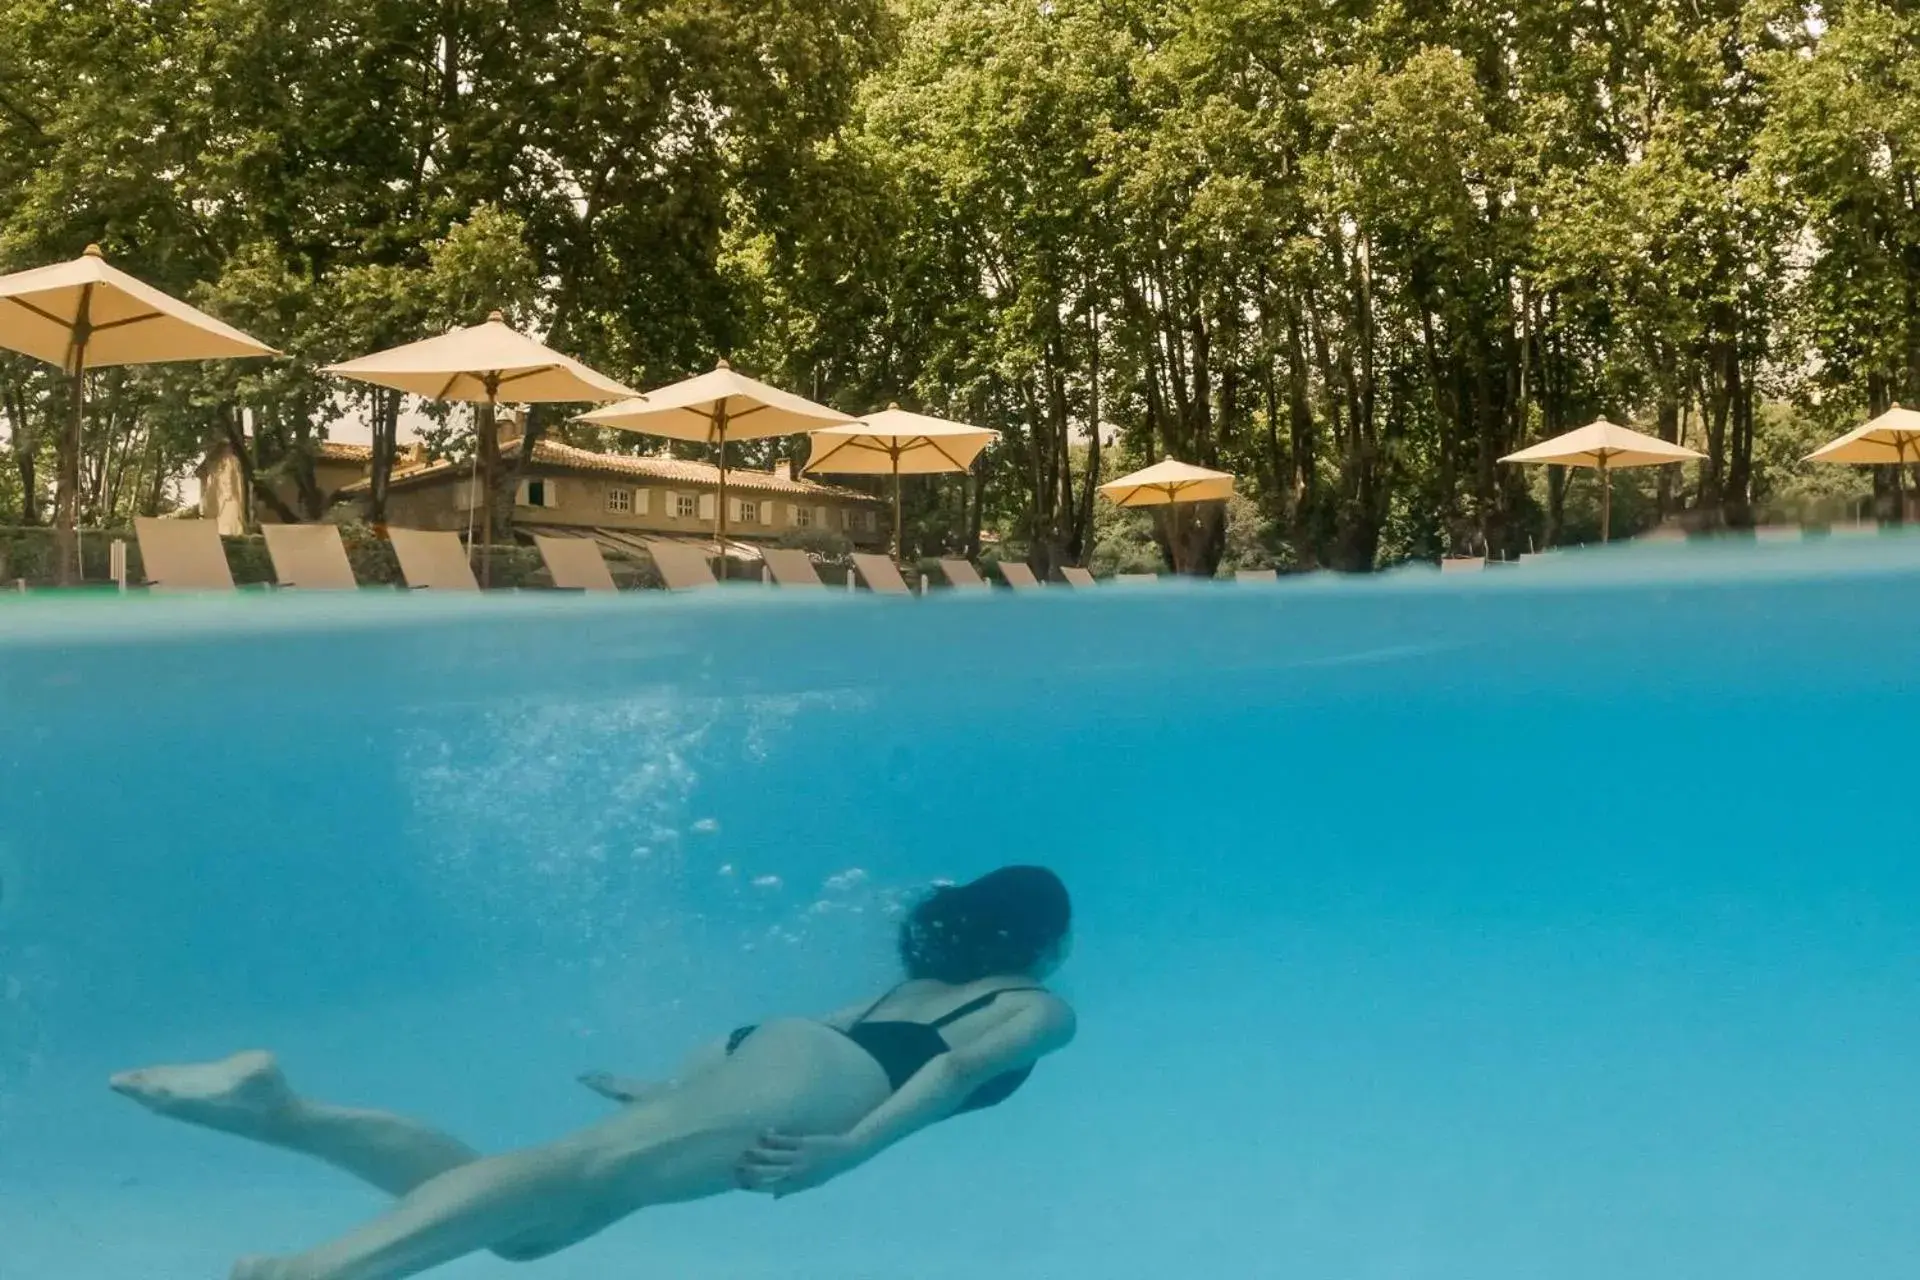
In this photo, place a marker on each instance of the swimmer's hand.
(622, 1089)
(783, 1165)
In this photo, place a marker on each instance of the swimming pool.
(1556, 922)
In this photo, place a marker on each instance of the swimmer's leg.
(247, 1096)
(527, 1204)
(794, 1075)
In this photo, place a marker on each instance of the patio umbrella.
(717, 407)
(1892, 438)
(485, 364)
(1169, 484)
(896, 442)
(1605, 446)
(86, 314)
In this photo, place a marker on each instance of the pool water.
(1553, 922)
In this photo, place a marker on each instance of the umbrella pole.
(1900, 482)
(720, 506)
(66, 516)
(489, 443)
(896, 507)
(1606, 502)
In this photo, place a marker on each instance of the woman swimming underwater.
(778, 1108)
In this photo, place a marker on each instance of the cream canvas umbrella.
(86, 314)
(714, 408)
(1892, 439)
(1605, 446)
(485, 365)
(1169, 484)
(899, 443)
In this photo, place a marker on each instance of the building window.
(620, 500)
(803, 517)
(749, 513)
(539, 493)
(686, 505)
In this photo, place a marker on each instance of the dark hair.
(1004, 922)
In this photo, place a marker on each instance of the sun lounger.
(791, 567)
(575, 564)
(432, 560)
(880, 574)
(1136, 579)
(1076, 577)
(1463, 564)
(309, 557)
(962, 574)
(1018, 576)
(183, 555)
(1255, 575)
(682, 567)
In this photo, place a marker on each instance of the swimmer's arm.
(628, 1090)
(1031, 1031)
(783, 1164)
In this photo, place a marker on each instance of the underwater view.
(1553, 921)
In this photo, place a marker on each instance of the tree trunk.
(24, 443)
(386, 446)
(233, 429)
(1668, 419)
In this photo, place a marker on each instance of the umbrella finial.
(720, 364)
(893, 406)
(93, 251)
(496, 317)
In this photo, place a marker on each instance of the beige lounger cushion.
(961, 573)
(1255, 575)
(309, 556)
(1076, 577)
(575, 564)
(1018, 575)
(880, 574)
(182, 555)
(791, 567)
(432, 560)
(682, 567)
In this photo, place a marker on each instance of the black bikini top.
(903, 1048)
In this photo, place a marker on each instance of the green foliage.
(825, 545)
(1352, 253)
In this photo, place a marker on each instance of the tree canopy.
(1353, 252)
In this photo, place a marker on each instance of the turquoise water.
(1554, 922)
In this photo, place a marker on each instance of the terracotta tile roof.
(566, 457)
(325, 451)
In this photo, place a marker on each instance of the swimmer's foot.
(236, 1095)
